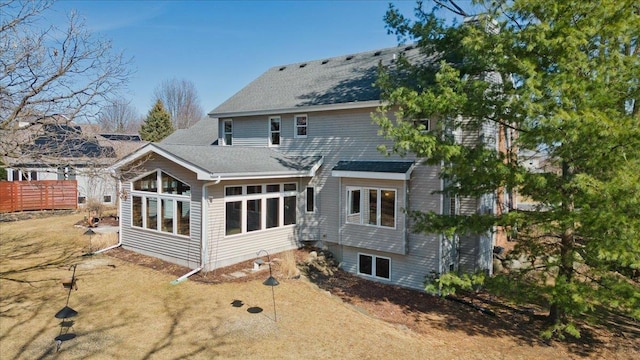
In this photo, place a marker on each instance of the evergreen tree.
(157, 125)
(565, 76)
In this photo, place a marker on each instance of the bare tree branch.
(53, 73)
(180, 99)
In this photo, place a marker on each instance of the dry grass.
(130, 311)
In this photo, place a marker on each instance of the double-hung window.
(227, 131)
(162, 203)
(250, 208)
(301, 123)
(274, 131)
(371, 206)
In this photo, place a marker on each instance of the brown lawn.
(127, 308)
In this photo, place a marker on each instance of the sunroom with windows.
(161, 202)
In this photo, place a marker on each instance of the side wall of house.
(223, 250)
(180, 250)
(350, 135)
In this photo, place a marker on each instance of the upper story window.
(227, 131)
(371, 206)
(301, 122)
(165, 208)
(274, 131)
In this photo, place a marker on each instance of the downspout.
(203, 233)
(407, 206)
(119, 223)
(340, 212)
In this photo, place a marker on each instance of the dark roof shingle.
(338, 80)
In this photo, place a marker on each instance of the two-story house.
(292, 158)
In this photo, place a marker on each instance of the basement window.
(374, 266)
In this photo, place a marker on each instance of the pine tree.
(157, 125)
(565, 76)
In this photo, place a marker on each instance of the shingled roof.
(230, 162)
(343, 80)
(204, 132)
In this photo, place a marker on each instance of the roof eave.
(300, 109)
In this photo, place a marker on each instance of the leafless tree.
(119, 116)
(49, 72)
(180, 98)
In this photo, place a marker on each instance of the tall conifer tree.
(157, 125)
(565, 77)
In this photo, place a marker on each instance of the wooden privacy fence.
(38, 195)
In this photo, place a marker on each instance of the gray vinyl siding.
(253, 131)
(227, 250)
(406, 270)
(176, 249)
(390, 240)
(344, 135)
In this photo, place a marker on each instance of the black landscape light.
(90, 234)
(271, 282)
(66, 312)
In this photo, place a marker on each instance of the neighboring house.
(296, 161)
(66, 151)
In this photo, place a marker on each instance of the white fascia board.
(297, 110)
(264, 175)
(151, 148)
(372, 175)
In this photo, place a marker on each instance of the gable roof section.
(230, 163)
(204, 132)
(333, 83)
(389, 170)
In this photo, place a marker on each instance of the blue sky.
(221, 46)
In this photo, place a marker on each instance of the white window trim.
(373, 266)
(295, 126)
(159, 196)
(425, 122)
(26, 173)
(224, 133)
(279, 131)
(264, 195)
(379, 191)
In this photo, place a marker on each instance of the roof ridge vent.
(282, 68)
(349, 57)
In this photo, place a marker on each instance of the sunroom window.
(251, 208)
(166, 208)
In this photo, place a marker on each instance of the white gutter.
(119, 223)
(203, 233)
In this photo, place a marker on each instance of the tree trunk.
(557, 311)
